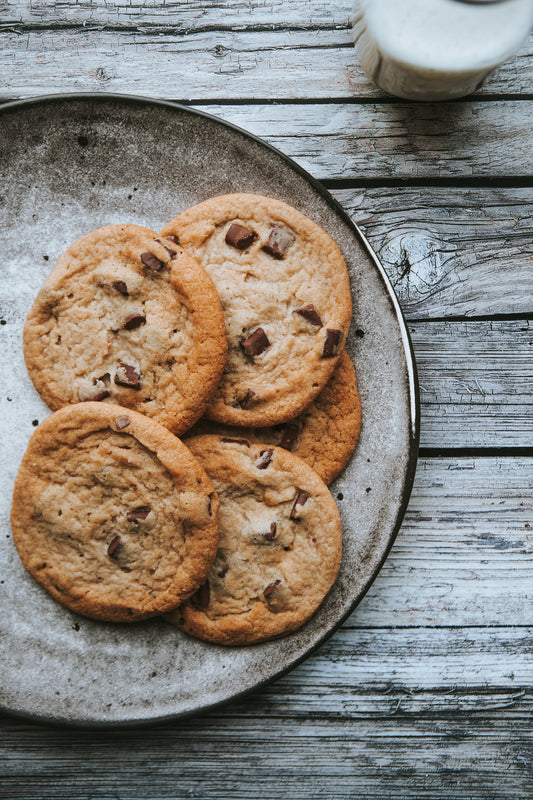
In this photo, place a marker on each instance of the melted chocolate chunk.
(173, 238)
(301, 499)
(240, 237)
(134, 321)
(122, 422)
(289, 435)
(247, 399)
(272, 533)
(150, 261)
(121, 287)
(114, 546)
(127, 375)
(170, 250)
(138, 514)
(95, 393)
(266, 458)
(235, 441)
(271, 588)
(310, 314)
(279, 241)
(331, 343)
(256, 343)
(201, 597)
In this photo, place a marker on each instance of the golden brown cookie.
(111, 513)
(127, 317)
(285, 292)
(279, 549)
(325, 434)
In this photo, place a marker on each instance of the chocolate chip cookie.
(325, 434)
(127, 317)
(279, 548)
(285, 291)
(111, 513)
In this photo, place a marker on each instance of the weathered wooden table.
(426, 691)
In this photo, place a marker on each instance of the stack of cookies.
(226, 329)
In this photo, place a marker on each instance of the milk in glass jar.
(437, 49)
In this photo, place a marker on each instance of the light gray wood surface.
(426, 691)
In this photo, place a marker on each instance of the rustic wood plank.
(329, 729)
(259, 63)
(194, 15)
(464, 554)
(476, 383)
(396, 140)
(434, 759)
(443, 247)
(384, 141)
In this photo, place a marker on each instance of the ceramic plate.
(72, 163)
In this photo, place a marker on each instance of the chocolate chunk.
(114, 546)
(310, 314)
(150, 261)
(235, 441)
(201, 597)
(279, 241)
(101, 395)
(271, 588)
(170, 250)
(301, 499)
(256, 343)
(95, 393)
(173, 238)
(127, 375)
(247, 399)
(138, 514)
(134, 321)
(331, 343)
(266, 458)
(122, 422)
(289, 435)
(240, 237)
(272, 533)
(121, 287)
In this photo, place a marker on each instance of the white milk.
(437, 49)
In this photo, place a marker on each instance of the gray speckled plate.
(69, 164)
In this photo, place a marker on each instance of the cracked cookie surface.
(324, 435)
(111, 513)
(279, 548)
(127, 317)
(285, 292)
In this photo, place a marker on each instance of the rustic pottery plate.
(72, 163)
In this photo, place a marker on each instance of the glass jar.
(437, 49)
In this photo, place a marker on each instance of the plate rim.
(413, 410)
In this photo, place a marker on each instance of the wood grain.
(476, 383)
(443, 247)
(464, 554)
(323, 731)
(396, 140)
(158, 44)
(378, 142)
